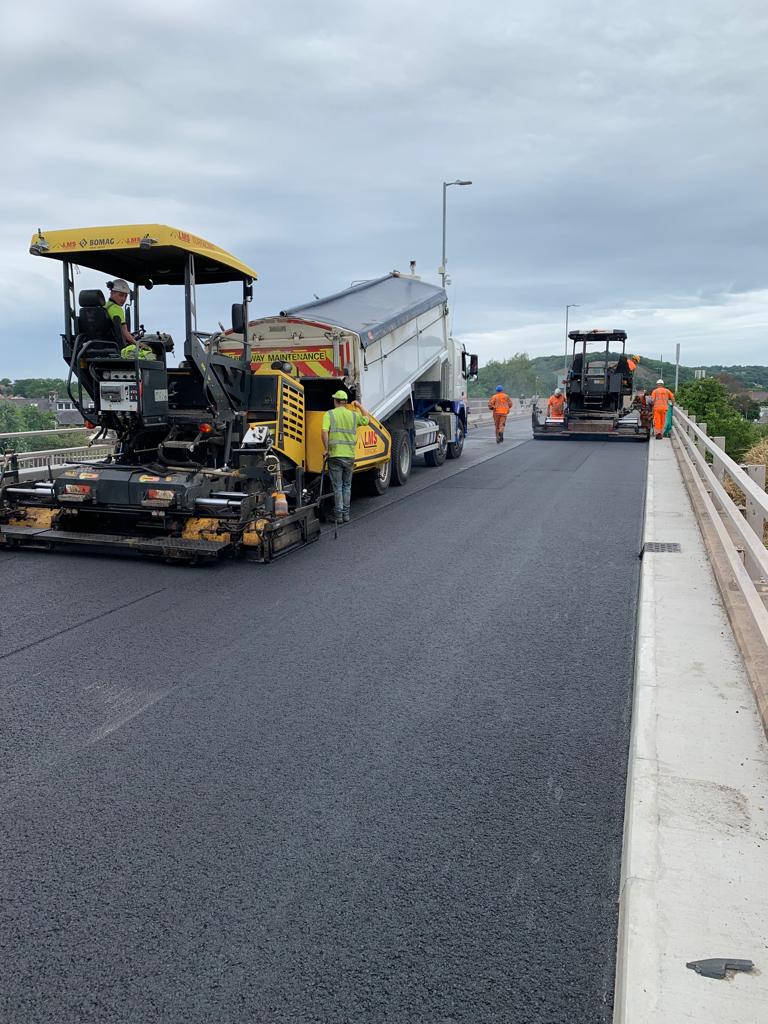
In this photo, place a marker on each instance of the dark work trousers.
(340, 472)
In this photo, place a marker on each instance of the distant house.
(18, 401)
(761, 397)
(66, 413)
(63, 408)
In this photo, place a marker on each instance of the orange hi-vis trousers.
(556, 408)
(499, 419)
(659, 418)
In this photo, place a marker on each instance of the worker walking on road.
(339, 438)
(556, 405)
(499, 403)
(662, 398)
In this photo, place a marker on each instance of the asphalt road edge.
(635, 915)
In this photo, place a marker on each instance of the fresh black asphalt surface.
(381, 779)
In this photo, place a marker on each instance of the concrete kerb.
(696, 816)
(635, 911)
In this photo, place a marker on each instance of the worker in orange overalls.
(556, 406)
(662, 398)
(499, 403)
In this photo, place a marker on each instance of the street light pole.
(446, 186)
(571, 305)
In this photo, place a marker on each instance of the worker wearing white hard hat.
(556, 405)
(662, 398)
(119, 290)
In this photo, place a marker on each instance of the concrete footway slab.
(696, 837)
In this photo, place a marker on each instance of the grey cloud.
(617, 150)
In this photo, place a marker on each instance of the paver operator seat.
(94, 325)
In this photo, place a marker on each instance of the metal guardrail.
(741, 534)
(63, 456)
(31, 463)
(42, 433)
(478, 409)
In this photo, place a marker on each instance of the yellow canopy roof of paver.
(141, 252)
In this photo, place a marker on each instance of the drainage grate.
(656, 546)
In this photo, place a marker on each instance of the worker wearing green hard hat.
(339, 440)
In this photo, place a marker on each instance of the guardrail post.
(699, 443)
(717, 466)
(754, 514)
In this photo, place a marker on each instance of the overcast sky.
(617, 150)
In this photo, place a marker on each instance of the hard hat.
(499, 387)
(340, 396)
(558, 391)
(659, 381)
(119, 286)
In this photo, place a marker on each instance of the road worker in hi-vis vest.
(119, 291)
(339, 439)
(499, 403)
(662, 398)
(556, 405)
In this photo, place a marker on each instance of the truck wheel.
(437, 456)
(375, 482)
(455, 448)
(402, 457)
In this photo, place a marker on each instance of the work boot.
(501, 437)
(346, 517)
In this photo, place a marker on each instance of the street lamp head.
(446, 185)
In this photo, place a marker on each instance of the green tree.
(707, 399)
(516, 375)
(15, 418)
(10, 417)
(39, 387)
(738, 396)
